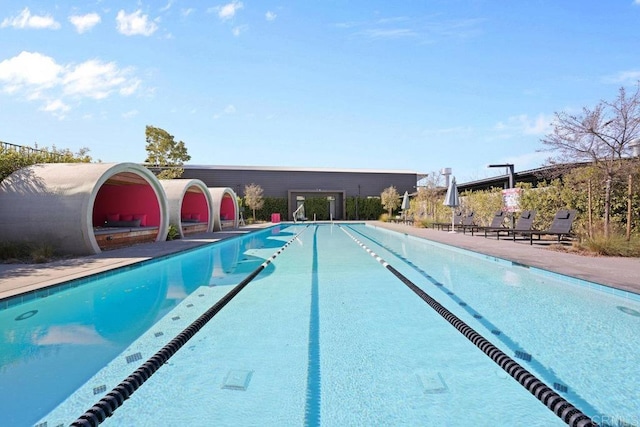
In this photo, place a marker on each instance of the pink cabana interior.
(126, 197)
(227, 208)
(194, 206)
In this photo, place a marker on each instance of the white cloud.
(229, 109)
(526, 161)
(392, 33)
(37, 77)
(167, 7)
(419, 29)
(540, 125)
(270, 16)
(186, 12)
(130, 114)
(26, 20)
(86, 22)
(135, 24)
(239, 30)
(57, 107)
(29, 70)
(460, 131)
(624, 77)
(97, 80)
(229, 10)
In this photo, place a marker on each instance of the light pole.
(509, 166)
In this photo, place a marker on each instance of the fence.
(29, 151)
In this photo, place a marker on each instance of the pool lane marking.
(312, 412)
(519, 351)
(105, 407)
(552, 400)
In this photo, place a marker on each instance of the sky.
(394, 85)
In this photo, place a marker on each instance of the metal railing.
(30, 151)
(297, 211)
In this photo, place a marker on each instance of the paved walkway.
(622, 273)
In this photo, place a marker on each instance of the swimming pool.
(324, 335)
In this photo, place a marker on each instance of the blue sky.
(409, 85)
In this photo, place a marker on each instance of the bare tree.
(601, 136)
(429, 197)
(253, 198)
(390, 199)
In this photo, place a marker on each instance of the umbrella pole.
(453, 220)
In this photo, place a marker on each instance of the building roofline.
(299, 169)
(526, 175)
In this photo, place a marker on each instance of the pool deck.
(621, 273)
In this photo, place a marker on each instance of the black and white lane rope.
(552, 400)
(115, 398)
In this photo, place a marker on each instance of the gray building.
(296, 184)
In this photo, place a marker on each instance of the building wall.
(289, 183)
(277, 183)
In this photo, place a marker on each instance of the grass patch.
(35, 253)
(614, 245)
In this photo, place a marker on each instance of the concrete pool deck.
(617, 272)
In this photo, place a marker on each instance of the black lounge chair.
(457, 220)
(465, 222)
(468, 223)
(523, 224)
(496, 223)
(560, 227)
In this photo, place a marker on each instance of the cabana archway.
(190, 205)
(83, 208)
(225, 208)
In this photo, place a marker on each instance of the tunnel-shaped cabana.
(190, 205)
(225, 208)
(83, 208)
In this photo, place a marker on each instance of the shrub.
(21, 252)
(173, 232)
(614, 245)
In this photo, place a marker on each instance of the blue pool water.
(325, 335)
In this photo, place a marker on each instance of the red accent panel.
(126, 200)
(227, 207)
(195, 203)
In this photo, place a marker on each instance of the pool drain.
(629, 311)
(27, 315)
(237, 379)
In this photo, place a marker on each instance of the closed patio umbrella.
(405, 204)
(452, 199)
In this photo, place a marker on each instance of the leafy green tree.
(253, 198)
(165, 153)
(390, 199)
